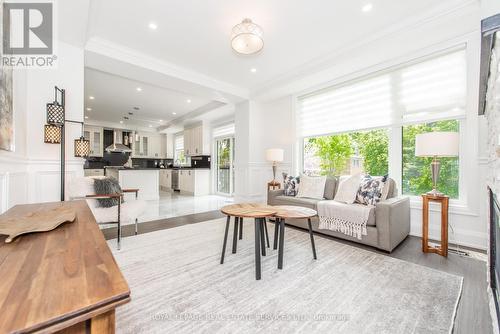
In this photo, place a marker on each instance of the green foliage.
(334, 152)
(373, 146)
(417, 176)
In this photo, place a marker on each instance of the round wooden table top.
(249, 210)
(293, 212)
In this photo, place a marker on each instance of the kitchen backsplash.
(119, 159)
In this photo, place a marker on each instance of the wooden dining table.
(62, 281)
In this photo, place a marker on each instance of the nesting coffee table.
(260, 213)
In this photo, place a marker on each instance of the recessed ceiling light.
(89, 109)
(150, 126)
(91, 97)
(121, 122)
(367, 7)
(86, 117)
(161, 120)
(253, 70)
(139, 89)
(188, 101)
(153, 26)
(174, 113)
(136, 108)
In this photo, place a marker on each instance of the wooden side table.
(273, 185)
(443, 248)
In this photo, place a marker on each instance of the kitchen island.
(145, 179)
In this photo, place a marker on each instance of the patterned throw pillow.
(370, 189)
(290, 184)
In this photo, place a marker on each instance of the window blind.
(429, 90)
(223, 131)
(179, 142)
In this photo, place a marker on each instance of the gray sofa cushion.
(393, 190)
(330, 187)
(297, 201)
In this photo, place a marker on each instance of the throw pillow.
(348, 188)
(107, 186)
(312, 186)
(290, 184)
(370, 189)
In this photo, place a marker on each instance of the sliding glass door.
(224, 175)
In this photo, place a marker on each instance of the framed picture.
(6, 110)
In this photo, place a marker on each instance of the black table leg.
(241, 228)
(281, 243)
(312, 237)
(235, 234)
(257, 249)
(262, 239)
(276, 229)
(225, 240)
(264, 221)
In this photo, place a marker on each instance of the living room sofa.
(388, 224)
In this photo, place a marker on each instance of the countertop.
(149, 168)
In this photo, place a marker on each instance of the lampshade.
(274, 154)
(246, 37)
(437, 144)
(55, 114)
(82, 147)
(52, 134)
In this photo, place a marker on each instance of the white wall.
(489, 8)
(261, 125)
(30, 174)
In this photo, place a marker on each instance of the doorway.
(224, 173)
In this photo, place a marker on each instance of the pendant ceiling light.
(247, 37)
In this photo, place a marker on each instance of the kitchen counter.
(147, 180)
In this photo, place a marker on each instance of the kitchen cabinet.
(94, 134)
(166, 179)
(93, 172)
(194, 181)
(149, 145)
(193, 141)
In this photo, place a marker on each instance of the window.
(347, 128)
(349, 153)
(416, 171)
(179, 156)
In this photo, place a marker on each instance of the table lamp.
(436, 144)
(274, 155)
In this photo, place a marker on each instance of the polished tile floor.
(173, 204)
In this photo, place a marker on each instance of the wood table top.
(55, 279)
(291, 212)
(249, 210)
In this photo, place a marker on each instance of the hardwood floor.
(473, 315)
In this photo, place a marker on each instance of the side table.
(444, 201)
(273, 185)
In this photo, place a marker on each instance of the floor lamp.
(54, 131)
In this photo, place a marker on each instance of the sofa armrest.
(272, 194)
(392, 218)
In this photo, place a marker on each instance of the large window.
(416, 171)
(335, 125)
(348, 153)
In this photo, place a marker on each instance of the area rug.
(178, 286)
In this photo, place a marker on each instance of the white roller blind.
(431, 89)
(223, 130)
(179, 142)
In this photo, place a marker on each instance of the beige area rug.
(178, 286)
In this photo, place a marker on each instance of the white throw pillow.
(312, 186)
(348, 188)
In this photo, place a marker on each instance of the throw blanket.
(345, 218)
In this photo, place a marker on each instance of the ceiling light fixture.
(367, 7)
(161, 120)
(89, 109)
(91, 97)
(188, 101)
(150, 126)
(86, 117)
(247, 37)
(174, 113)
(153, 26)
(121, 122)
(136, 108)
(139, 89)
(253, 70)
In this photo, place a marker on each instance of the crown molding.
(267, 89)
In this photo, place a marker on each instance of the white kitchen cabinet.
(166, 179)
(194, 181)
(149, 145)
(193, 141)
(94, 134)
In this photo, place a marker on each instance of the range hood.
(117, 146)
